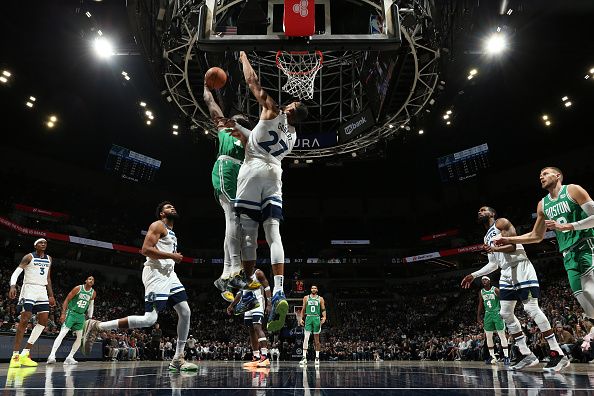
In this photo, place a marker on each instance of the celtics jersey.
(80, 302)
(565, 210)
(229, 145)
(313, 307)
(490, 300)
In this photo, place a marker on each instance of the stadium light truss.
(421, 43)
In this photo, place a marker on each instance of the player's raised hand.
(12, 292)
(467, 281)
(177, 257)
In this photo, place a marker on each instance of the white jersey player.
(259, 186)
(518, 281)
(162, 288)
(35, 298)
(254, 303)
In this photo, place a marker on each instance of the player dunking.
(259, 185)
(79, 301)
(36, 297)
(161, 288)
(254, 318)
(314, 310)
(518, 282)
(224, 181)
(489, 305)
(569, 210)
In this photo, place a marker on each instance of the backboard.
(257, 25)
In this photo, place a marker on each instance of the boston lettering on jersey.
(558, 209)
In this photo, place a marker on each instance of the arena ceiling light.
(545, 117)
(148, 122)
(472, 73)
(421, 131)
(563, 99)
(32, 98)
(175, 133)
(496, 43)
(175, 126)
(103, 47)
(29, 104)
(567, 104)
(88, 14)
(53, 118)
(142, 104)
(50, 124)
(3, 79)
(548, 123)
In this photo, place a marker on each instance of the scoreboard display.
(131, 165)
(463, 164)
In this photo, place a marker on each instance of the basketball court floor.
(287, 378)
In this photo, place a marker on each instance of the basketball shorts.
(256, 315)
(312, 324)
(578, 263)
(224, 178)
(519, 282)
(74, 320)
(259, 191)
(493, 322)
(33, 298)
(161, 289)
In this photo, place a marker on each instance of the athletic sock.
(521, 342)
(317, 354)
(553, 344)
(278, 283)
(109, 325)
(264, 353)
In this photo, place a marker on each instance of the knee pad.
(533, 310)
(249, 240)
(273, 237)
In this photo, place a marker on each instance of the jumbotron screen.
(463, 164)
(131, 165)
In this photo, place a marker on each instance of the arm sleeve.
(91, 309)
(588, 222)
(487, 269)
(244, 131)
(15, 276)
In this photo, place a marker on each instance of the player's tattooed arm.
(234, 303)
(149, 246)
(269, 106)
(302, 313)
(507, 230)
(323, 310)
(534, 236)
(216, 114)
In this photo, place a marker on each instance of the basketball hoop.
(301, 68)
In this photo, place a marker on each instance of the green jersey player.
(80, 301)
(224, 181)
(314, 310)
(492, 321)
(569, 211)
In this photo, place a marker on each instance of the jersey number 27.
(267, 145)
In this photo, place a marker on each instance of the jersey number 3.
(266, 145)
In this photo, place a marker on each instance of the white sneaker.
(303, 361)
(70, 360)
(51, 359)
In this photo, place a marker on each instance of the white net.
(301, 69)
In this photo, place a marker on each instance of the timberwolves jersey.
(36, 271)
(504, 260)
(271, 140)
(168, 243)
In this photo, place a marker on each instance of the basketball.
(216, 78)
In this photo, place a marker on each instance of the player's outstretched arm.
(91, 308)
(534, 236)
(582, 198)
(216, 114)
(491, 266)
(17, 272)
(69, 297)
(268, 104)
(149, 246)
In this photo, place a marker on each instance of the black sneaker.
(556, 362)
